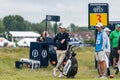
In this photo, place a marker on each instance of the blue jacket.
(101, 41)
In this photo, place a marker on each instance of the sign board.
(98, 12)
(52, 18)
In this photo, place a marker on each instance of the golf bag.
(70, 65)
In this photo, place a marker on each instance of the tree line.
(17, 23)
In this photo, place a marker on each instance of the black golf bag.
(70, 65)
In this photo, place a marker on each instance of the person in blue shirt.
(100, 49)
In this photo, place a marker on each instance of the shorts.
(100, 56)
(115, 53)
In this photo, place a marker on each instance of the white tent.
(23, 34)
(26, 42)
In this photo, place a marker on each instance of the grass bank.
(8, 56)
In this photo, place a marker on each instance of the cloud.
(36, 10)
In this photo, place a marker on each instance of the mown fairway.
(8, 56)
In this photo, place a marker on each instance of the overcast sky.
(70, 11)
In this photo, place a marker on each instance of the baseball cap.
(99, 25)
(107, 29)
(62, 26)
(117, 25)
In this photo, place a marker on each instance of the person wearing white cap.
(100, 48)
(99, 25)
(107, 30)
(108, 50)
(61, 39)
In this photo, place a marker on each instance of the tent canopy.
(24, 34)
(26, 42)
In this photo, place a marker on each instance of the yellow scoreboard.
(98, 12)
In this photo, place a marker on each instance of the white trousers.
(107, 61)
(60, 58)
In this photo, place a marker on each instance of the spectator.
(108, 50)
(114, 37)
(61, 39)
(119, 45)
(101, 42)
(45, 34)
(119, 54)
(41, 38)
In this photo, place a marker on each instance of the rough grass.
(8, 56)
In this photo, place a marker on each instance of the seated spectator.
(41, 38)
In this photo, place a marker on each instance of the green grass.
(8, 56)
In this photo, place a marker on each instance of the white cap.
(99, 25)
(62, 26)
(107, 29)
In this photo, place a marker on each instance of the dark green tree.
(2, 28)
(40, 27)
(28, 26)
(14, 23)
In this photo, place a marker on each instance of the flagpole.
(46, 24)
